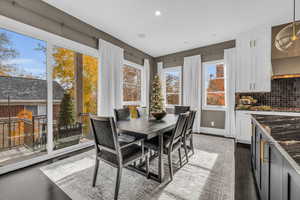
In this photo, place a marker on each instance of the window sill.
(220, 108)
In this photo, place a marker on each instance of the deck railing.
(16, 132)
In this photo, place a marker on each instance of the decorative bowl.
(159, 115)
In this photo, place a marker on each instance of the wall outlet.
(212, 123)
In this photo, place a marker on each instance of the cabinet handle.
(254, 86)
(250, 43)
(254, 43)
(262, 151)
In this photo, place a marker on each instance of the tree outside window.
(172, 78)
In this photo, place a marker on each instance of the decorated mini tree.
(157, 100)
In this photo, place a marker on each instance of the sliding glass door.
(75, 79)
(47, 92)
(23, 97)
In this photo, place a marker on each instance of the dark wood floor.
(32, 184)
(244, 180)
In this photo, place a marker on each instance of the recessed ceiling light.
(157, 13)
(141, 35)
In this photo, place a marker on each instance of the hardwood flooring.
(30, 183)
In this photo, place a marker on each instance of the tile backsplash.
(285, 93)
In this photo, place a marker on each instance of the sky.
(29, 60)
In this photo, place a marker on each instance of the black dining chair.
(181, 109)
(115, 153)
(171, 143)
(188, 135)
(122, 114)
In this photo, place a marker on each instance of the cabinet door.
(291, 183)
(264, 175)
(261, 60)
(244, 128)
(243, 69)
(276, 172)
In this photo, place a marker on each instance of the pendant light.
(289, 34)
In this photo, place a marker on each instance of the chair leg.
(179, 154)
(170, 165)
(147, 165)
(192, 144)
(95, 172)
(186, 151)
(119, 175)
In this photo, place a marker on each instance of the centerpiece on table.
(157, 100)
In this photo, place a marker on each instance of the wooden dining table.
(149, 128)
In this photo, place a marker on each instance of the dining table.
(148, 128)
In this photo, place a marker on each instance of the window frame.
(204, 93)
(51, 40)
(164, 71)
(139, 67)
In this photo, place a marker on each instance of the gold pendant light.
(289, 34)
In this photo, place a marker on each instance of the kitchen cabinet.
(243, 127)
(264, 167)
(276, 174)
(291, 182)
(254, 69)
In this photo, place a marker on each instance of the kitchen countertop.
(284, 133)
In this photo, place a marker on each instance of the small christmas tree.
(157, 100)
(66, 113)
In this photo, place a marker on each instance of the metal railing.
(16, 132)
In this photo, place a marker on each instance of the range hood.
(285, 64)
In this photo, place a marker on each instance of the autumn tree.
(6, 52)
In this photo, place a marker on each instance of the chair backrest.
(122, 114)
(191, 120)
(180, 127)
(105, 134)
(181, 109)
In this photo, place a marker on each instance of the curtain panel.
(192, 68)
(146, 84)
(111, 59)
(230, 60)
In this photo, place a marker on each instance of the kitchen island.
(275, 152)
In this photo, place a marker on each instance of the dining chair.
(188, 135)
(171, 143)
(181, 109)
(113, 152)
(122, 114)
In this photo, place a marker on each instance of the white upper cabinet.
(254, 70)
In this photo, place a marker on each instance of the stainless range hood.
(285, 64)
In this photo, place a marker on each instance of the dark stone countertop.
(285, 131)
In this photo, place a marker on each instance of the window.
(214, 77)
(132, 85)
(172, 85)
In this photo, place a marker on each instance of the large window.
(172, 85)
(75, 78)
(132, 85)
(214, 82)
(23, 91)
(48, 84)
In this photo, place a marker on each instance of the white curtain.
(160, 73)
(111, 59)
(230, 59)
(192, 87)
(146, 84)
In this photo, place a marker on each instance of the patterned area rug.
(209, 175)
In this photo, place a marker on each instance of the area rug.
(209, 175)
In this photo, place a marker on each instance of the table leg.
(161, 173)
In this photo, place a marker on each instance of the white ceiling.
(184, 24)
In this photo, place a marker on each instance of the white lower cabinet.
(243, 127)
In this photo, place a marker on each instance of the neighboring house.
(17, 94)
